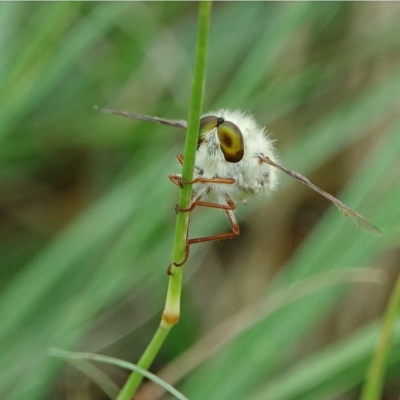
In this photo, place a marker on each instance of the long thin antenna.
(177, 123)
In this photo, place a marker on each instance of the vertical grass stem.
(171, 313)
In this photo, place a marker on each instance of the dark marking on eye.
(231, 141)
(227, 140)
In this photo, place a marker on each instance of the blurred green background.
(87, 211)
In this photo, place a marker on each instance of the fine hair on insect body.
(235, 160)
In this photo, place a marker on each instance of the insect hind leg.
(229, 209)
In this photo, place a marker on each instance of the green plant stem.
(171, 313)
(172, 304)
(372, 389)
(145, 361)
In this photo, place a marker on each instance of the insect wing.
(177, 123)
(359, 220)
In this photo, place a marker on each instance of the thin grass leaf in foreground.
(119, 363)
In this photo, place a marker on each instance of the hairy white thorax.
(251, 176)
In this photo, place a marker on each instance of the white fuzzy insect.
(235, 159)
(244, 166)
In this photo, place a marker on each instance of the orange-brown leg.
(205, 204)
(219, 236)
(229, 208)
(176, 179)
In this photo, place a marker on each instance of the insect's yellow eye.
(229, 135)
(207, 124)
(231, 141)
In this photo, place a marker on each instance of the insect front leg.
(177, 180)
